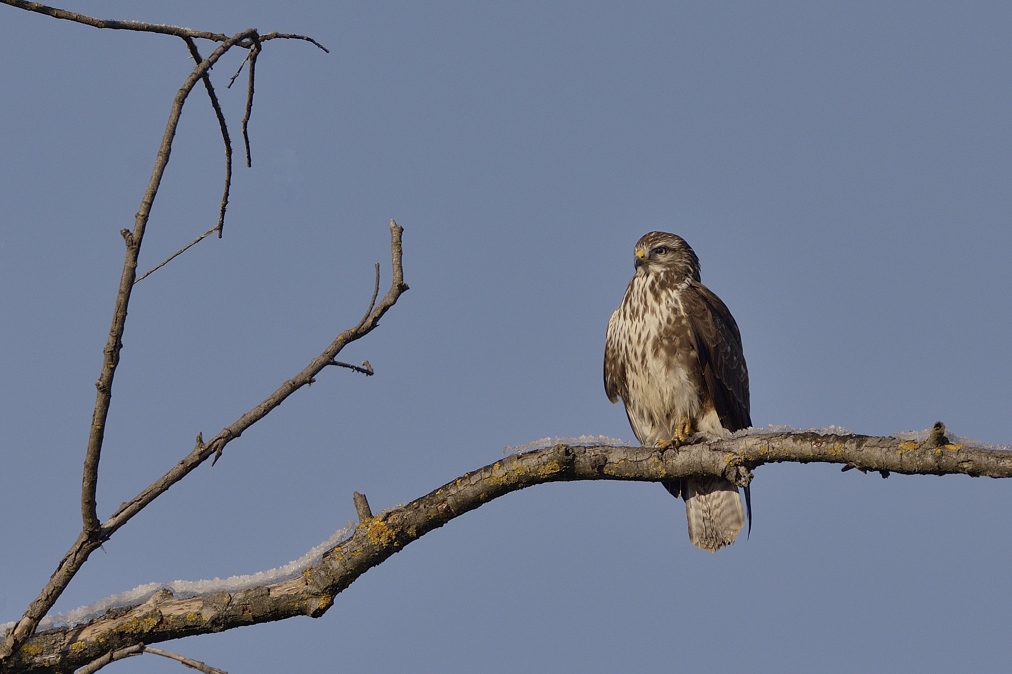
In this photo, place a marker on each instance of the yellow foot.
(684, 431)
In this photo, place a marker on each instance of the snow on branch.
(165, 616)
(190, 588)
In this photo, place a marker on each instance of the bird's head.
(664, 253)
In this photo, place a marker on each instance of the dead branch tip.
(362, 507)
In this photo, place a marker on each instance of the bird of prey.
(673, 355)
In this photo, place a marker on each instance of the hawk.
(673, 355)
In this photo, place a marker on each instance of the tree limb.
(58, 13)
(195, 55)
(165, 617)
(141, 649)
(93, 534)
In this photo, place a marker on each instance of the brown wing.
(720, 356)
(614, 364)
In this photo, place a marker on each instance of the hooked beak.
(641, 258)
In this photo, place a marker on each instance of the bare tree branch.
(375, 539)
(238, 71)
(365, 368)
(216, 228)
(292, 36)
(195, 54)
(110, 657)
(93, 534)
(254, 51)
(375, 294)
(140, 649)
(202, 451)
(189, 662)
(118, 25)
(133, 241)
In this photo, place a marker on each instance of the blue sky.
(843, 173)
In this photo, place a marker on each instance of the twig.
(143, 27)
(189, 662)
(192, 46)
(110, 657)
(177, 254)
(254, 51)
(375, 294)
(117, 25)
(292, 36)
(366, 368)
(273, 36)
(238, 71)
(140, 649)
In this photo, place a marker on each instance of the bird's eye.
(659, 250)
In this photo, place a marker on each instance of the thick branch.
(164, 617)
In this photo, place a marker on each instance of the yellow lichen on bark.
(550, 468)
(138, 625)
(379, 533)
(503, 474)
(617, 468)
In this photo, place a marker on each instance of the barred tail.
(713, 510)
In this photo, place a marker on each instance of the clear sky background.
(844, 173)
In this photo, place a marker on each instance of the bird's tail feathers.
(713, 510)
